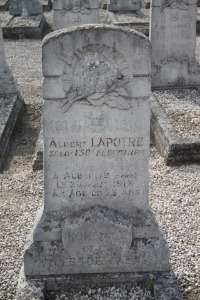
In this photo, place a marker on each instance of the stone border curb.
(163, 285)
(174, 149)
(8, 118)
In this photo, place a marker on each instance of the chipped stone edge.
(174, 149)
(9, 126)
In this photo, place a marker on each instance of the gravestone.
(173, 38)
(124, 5)
(11, 104)
(7, 81)
(96, 216)
(69, 13)
(33, 7)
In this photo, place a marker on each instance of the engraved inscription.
(97, 147)
(95, 184)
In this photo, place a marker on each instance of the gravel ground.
(174, 193)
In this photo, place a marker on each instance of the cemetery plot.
(182, 107)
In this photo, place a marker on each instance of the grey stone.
(69, 13)
(31, 27)
(11, 104)
(173, 38)
(29, 289)
(38, 155)
(4, 5)
(7, 82)
(124, 5)
(174, 149)
(33, 7)
(96, 216)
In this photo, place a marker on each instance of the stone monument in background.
(10, 104)
(124, 5)
(33, 7)
(96, 123)
(7, 82)
(69, 13)
(173, 38)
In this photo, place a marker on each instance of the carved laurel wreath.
(94, 75)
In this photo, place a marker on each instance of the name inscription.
(101, 146)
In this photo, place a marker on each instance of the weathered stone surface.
(96, 216)
(124, 5)
(173, 38)
(7, 82)
(174, 149)
(4, 5)
(29, 289)
(10, 104)
(10, 107)
(69, 13)
(33, 7)
(32, 27)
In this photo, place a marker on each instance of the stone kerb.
(69, 13)
(173, 38)
(96, 125)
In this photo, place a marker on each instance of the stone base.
(38, 156)
(163, 285)
(176, 74)
(167, 142)
(10, 108)
(30, 28)
(4, 5)
(129, 245)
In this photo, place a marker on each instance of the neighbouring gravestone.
(4, 4)
(33, 7)
(10, 104)
(124, 5)
(173, 38)
(96, 216)
(69, 13)
(7, 81)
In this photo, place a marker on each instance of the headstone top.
(28, 7)
(173, 39)
(75, 12)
